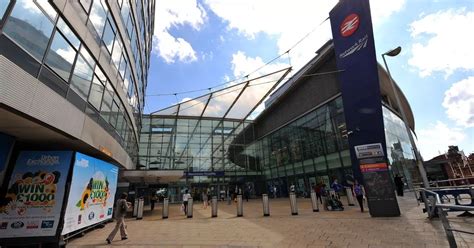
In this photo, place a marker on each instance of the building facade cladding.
(93, 53)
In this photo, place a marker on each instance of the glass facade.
(312, 148)
(62, 61)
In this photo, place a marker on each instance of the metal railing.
(435, 208)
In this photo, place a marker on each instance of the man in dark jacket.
(120, 211)
(398, 184)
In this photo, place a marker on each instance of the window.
(3, 8)
(29, 28)
(60, 57)
(81, 78)
(97, 89)
(123, 66)
(113, 114)
(117, 53)
(67, 32)
(97, 16)
(109, 36)
(106, 107)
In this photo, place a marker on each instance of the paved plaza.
(349, 228)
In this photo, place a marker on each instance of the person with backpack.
(337, 187)
(121, 207)
(359, 191)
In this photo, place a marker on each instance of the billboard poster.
(6, 145)
(33, 202)
(91, 196)
(354, 48)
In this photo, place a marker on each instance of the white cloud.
(82, 163)
(444, 42)
(437, 137)
(168, 14)
(459, 102)
(289, 21)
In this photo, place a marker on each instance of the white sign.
(369, 151)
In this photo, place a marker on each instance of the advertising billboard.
(354, 48)
(91, 195)
(33, 202)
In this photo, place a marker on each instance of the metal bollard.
(214, 206)
(141, 201)
(135, 208)
(314, 202)
(165, 208)
(294, 207)
(240, 206)
(190, 208)
(266, 205)
(350, 197)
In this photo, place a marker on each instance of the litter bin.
(190, 208)
(350, 197)
(135, 208)
(141, 201)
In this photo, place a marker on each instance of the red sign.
(373, 167)
(349, 25)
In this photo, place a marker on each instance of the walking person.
(186, 197)
(274, 191)
(318, 190)
(153, 200)
(205, 198)
(359, 191)
(247, 193)
(120, 211)
(398, 184)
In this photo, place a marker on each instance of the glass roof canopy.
(205, 133)
(237, 101)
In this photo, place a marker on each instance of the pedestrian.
(153, 200)
(292, 188)
(274, 191)
(186, 197)
(318, 189)
(398, 184)
(205, 198)
(121, 207)
(359, 192)
(337, 187)
(247, 194)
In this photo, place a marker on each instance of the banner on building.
(354, 48)
(92, 191)
(33, 202)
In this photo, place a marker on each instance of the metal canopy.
(237, 101)
(196, 134)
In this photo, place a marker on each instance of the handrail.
(438, 205)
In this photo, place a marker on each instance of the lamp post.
(419, 161)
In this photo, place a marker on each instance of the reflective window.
(106, 107)
(117, 53)
(48, 9)
(113, 114)
(123, 66)
(67, 32)
(61, 56)
(3, 8)
(29, 28)
(86, 55)
(95, 96)
(97, 16)
(109, 36)
(81, 78)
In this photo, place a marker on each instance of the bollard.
(135, 208)
(190, 208)
(214, 206)
(141, 201)
(314, 202)
(164, 213)
(240, 206)
(266, 205)
(294, 207)
(350, 197)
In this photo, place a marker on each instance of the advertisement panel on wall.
(91, 195)
(6, 145)
(354, 48)
(33, 202)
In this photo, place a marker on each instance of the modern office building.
(73, 75)
(299, 138)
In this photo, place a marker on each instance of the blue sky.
(200, 44)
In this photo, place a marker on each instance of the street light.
(419, 161)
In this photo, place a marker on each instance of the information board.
(92, 192)
(34, 198)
